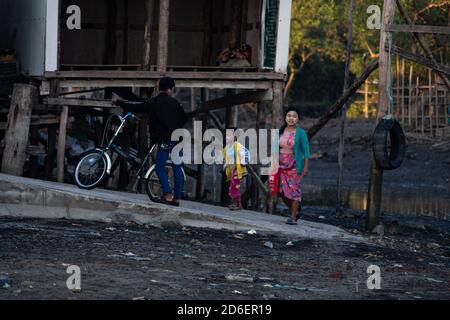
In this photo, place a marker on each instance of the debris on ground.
(289, 244)
(252, 232)
(239, 236)
(281, 286)
(239, 278)
(5, 282)
(433, 246)
(379, 229)
(268, 244)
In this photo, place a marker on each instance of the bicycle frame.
(126, 156)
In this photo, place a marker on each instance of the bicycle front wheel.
(91, 170)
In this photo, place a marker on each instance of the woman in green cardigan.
(294, 156)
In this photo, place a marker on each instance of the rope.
(389, 114)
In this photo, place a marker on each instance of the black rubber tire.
(152, 178)
(389, 157)
(101, 179)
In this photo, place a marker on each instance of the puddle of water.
(416, 202)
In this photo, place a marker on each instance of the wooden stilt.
(62, 143)
(376, 174)
(410, 94)
(24, 97)
(163, 35)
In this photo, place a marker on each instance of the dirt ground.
(142, 262)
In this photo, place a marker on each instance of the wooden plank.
(419, 59)
(418, 29)
(17, 129)
(218, 84)
(62, 143)
(79, 102)
(233, 100)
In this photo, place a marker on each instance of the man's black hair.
(166, 83)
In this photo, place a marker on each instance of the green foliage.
(319, 36)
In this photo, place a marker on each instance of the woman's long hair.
(284, 126)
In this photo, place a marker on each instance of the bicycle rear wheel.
(153, 186)
(91, 170)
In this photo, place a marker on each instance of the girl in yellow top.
(235, 155)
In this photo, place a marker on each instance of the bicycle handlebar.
(129, 115)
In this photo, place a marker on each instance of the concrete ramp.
(23, 197)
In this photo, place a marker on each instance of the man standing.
(166, 115)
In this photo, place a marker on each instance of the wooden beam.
(323, 120)
(417, 29)
(421, 42)
(233, 100)
(177, 75)
(217, 84)
(163, 35)
(419, 59)
(79, 102)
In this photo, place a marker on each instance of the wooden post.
(423, 112)
(410, 93)
(397, 90)
(17, 128)
(146, 63)
(344, 109)
(417, 103)
(201, 181)
(277, 104)
(277, 113)
(366, 99)
(62, 143)
(430, 102)
(236, 24)
(163, 35)
(436, 96)
(376, 175)
(403, 90)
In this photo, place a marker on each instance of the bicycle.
(95, 166)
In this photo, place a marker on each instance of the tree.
(316, 27)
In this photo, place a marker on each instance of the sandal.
(291, 222)
(234, 207)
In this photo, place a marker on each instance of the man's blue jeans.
(162, 156)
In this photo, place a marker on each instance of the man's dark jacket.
(166, 115)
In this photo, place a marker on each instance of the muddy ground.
(141, 262)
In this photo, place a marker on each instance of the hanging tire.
(389, 144)
(91, 170)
